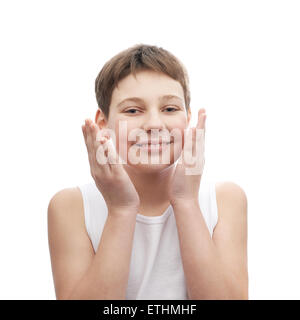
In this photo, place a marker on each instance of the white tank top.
(156, 270)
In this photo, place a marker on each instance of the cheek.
(122, 129)
(179, 127)
(179, 137)
(180, 122)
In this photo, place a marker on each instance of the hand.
(185, 183)
(111, 179)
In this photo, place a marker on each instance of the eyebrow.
(137, 99)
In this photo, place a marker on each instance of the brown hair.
(137, 58)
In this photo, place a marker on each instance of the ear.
(100, 119)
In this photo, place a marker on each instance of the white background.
(243, 62)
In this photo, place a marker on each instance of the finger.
(92, 149)
(201, 118)
(89, 139)
(114, 159)
(91, 132)
(201, 121)
(100, 134)
(100, 139)
(102, 162)
(98, 149)
(193, 151)
(89, 144)
(84, 134)
(83, 130)
(189, 140)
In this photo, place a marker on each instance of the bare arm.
(215, 268)
(78, 272)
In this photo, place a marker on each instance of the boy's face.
(151, 111)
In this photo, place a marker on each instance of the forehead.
(149, 86)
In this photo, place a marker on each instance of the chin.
(150, 168)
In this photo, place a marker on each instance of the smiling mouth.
(152, 145)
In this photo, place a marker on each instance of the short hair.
(139, 57)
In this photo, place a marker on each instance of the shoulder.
(65, 204)
(230, 194)
(231, 204)
(65, 197)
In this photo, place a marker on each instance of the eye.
(129, 111)
(171, 108)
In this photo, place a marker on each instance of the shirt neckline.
(155, 219)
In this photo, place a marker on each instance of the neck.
(152, 187)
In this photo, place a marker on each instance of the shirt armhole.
(214, 206)
(86, 208)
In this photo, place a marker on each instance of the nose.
(153, 120)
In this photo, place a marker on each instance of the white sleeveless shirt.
(156, 270)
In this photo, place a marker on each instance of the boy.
(146, 230)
